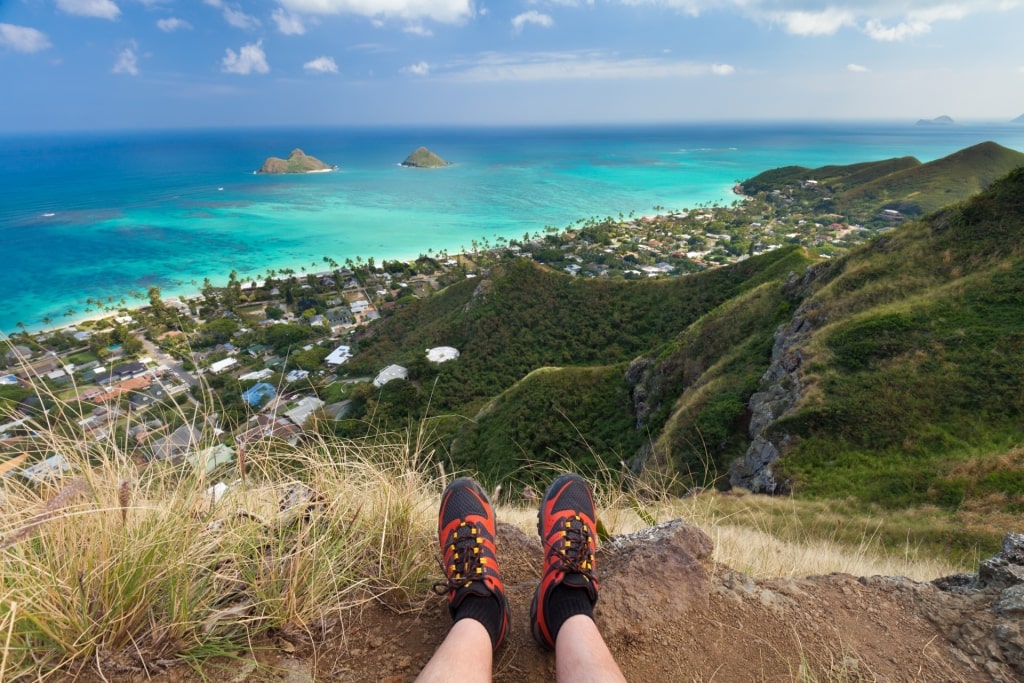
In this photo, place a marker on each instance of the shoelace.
(466, 563)
(571, 548)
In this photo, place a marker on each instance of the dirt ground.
(668, 614)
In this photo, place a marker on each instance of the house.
(259, 394)
(339, 355)
(176, 445)
(220, 366)
(296, 375)
(256, 376)
(303, 409)
(268, 426)
(46, 470)
(389, 373)
(211, 458)
(127, 371)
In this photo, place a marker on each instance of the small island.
(424, 158)
(937, 121)
(297, 162)
(1019, 119)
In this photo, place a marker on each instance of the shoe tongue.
(576, 581)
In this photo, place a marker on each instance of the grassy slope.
(915, 377)
(864, 189)
(940, 182)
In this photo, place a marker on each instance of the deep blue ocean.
(91, 216)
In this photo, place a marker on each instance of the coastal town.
(271, 351)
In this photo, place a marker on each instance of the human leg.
(473, 585)
(562, 611)
(465, 656)
(581, 655)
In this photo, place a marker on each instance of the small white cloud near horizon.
(171, 24)
(418, 69)
(323, 65)
(287, 23)
(247, 60)
(443, 11)
(418, 30)
(587, 65)
(99, 9)
(127, 61)
(901, 31)
(857, 68)
(532, 17)
(23, 38)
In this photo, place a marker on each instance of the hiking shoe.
(568, 531)
(465, 529)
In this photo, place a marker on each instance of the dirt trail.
(669, 613)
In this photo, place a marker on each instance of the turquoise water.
(97, 216)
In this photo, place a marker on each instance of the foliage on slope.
(915, 375)
(523, 317)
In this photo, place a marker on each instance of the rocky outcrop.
(424, 158)
(779, 393)
(297, 162)
(982, 614)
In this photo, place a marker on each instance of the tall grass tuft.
(144, 560)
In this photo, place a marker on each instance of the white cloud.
(532, 17)
(822, 23)
(882, 20)
(101, 9)
(127, 61)
(288, 23)
(573, 66)
(324, 65)
(901, 31)
(857, 68)
(239, 19)
(418, 30)
(444, 11)
(418, 69)
(173, 24)
(22, 38)
(249, 59)
(234, 15)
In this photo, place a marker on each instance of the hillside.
(900, 378)
(904, 185)
(893, 377)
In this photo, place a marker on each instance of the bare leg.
(581, 655)
(465, 656)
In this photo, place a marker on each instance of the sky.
(137, 64)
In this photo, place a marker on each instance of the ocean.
(104, 216)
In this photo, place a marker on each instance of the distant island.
(1019, 119)
(424, 158)
(297, 162)
(937, 121)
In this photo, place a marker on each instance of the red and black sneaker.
(465, 528)
(568, 530)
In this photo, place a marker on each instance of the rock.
(424, 158)
(297, 162)
(670, 557)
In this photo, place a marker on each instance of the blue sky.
(117, 64)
